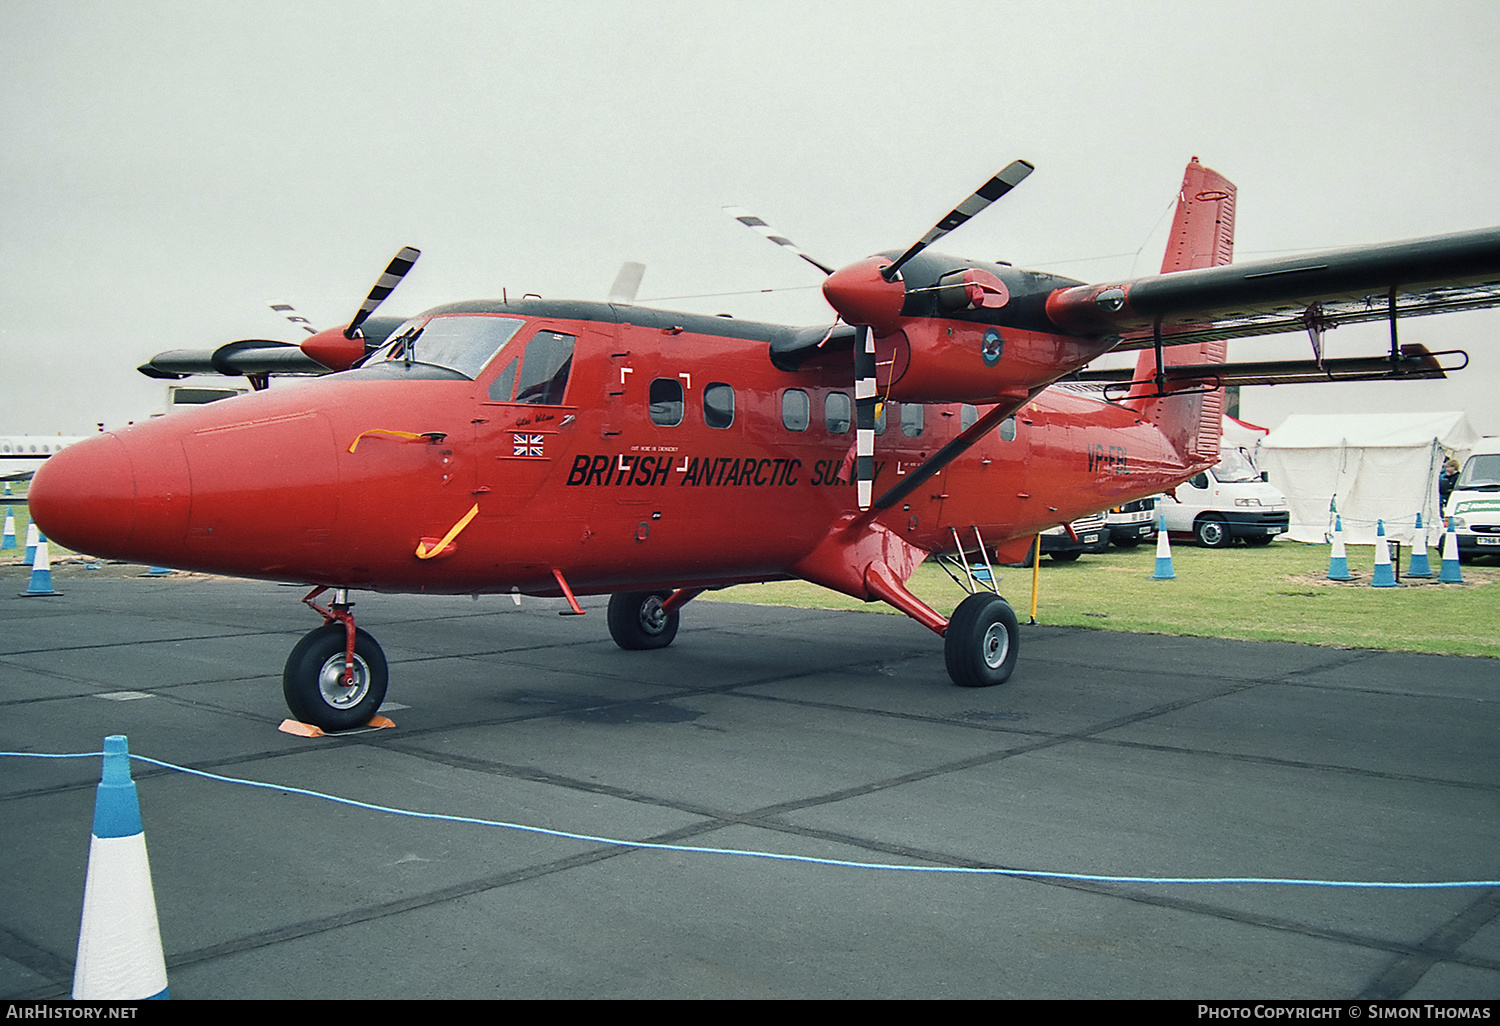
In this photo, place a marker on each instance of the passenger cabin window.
(881, 409)
(795, 410)
(968, 416)
(544, 370)
(666, 402)
(718, 405)
(1008, 429)
(837, 413)
(911, 420)
(462, 343)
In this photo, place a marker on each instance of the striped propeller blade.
(749, 220)
(865, 400)
(387, 283)
(1014, 174)
(290, 313)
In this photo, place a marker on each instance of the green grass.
(1278, 593)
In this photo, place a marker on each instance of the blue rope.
(783, 857)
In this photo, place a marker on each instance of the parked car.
(1474, 505)
(1132, 523)
(1069, 541)
(1229, 500)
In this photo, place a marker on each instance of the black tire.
(1065, 557)
(637, 621)
(1127, 543)
(1212, 533)
(1256, 541)
(982, 641)
(312, 682)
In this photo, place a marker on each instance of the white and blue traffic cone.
(1385, 574)
(1450, 573)
(1418, 566)
(1164, 570)
(8, 539)
(1338, 562)
(119, 942)
(41, 572)
(31, 536)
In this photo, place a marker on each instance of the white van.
(1230, 500)
(1474, 506)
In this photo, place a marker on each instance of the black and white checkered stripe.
(1014, 174)
(864, 415)
(387, 283)
(749, 220)
(290, 313)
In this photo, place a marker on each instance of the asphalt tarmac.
(827, 734)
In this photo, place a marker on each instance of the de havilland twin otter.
(562, 448)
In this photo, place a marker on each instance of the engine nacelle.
(948, 361)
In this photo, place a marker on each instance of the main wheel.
(637, 621)
(313, 681)
(982, 641)
(1065, 556)
(1211, 533)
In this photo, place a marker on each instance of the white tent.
(1242, 435)
(1374, 466)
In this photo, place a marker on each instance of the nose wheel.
(336, 676)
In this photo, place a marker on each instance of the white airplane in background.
(21, 455)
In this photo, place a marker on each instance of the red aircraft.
(574, 448)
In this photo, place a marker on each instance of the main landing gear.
(641, 620)
(336, 676)
(982, 641)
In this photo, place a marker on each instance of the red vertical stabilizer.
(1202, 236)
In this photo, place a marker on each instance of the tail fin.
(1202, 236)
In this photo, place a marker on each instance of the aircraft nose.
(84, 497)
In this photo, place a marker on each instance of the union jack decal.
(528, 445)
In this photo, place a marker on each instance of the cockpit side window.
(504, 386)
(544, 370)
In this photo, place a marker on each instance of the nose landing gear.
(336, 676)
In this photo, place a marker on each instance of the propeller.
(341, 348)
(290, 313)
(627, 283)
(870, 294)
(394, 272)
(754, 223)
(1014, 174)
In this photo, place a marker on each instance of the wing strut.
(948, 453)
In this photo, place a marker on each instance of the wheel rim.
(996, 645)
(653, 617)
(336, 694)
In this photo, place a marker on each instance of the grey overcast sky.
(168, 168)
